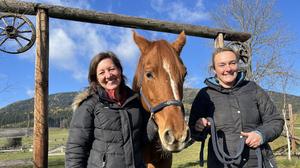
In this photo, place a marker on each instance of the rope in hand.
(221, 155)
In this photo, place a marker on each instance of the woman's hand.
(253, 139)
(201, 123)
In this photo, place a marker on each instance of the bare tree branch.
(4, 87)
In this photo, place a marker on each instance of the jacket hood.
(85, 94)
(79, 98)
(213, 82)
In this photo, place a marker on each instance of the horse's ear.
(141, 42)
(179, 43)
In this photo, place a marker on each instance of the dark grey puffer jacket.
(104, 134)
(245, 107)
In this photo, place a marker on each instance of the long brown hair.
(92, 76)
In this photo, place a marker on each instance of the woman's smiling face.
(226, 68)
(108, 75)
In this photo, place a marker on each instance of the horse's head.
(159, 78)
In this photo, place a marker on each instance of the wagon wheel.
(242, 49)
(17, 33)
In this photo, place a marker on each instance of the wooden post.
(40, 141)
(292, 129)
(219, 41)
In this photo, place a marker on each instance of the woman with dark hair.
(107, 125)
(239, 115)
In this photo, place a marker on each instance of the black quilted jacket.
(245, 107)
(104, 134)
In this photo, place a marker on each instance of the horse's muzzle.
(174, 143)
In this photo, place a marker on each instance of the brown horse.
(159, 79)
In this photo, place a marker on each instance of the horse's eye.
(149, 75)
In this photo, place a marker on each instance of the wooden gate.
(44, 11)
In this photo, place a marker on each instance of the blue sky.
(72, 44)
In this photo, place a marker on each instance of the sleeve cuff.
(261, 136)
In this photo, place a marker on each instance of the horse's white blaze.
(166, 66)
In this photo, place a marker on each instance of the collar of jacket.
(104, 97)
(213, 82)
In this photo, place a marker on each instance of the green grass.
(282, 161)
(57, 137)
(57, 161)
(53, 162)
(188, 158)
(16, 156)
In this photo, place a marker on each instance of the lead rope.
(201, 160)
(218, 149)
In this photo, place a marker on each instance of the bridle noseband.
(161, 105)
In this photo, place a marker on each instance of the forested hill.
(20, 114)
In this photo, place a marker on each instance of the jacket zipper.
(104, 161)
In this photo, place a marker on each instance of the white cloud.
(62, 49)
(80, 75)
(158, 5)
(2, 76)
(30, 92)
(96, 42)
(178, 11)
(191, 81)
(90, 38)
(126, 48)
(73, 44)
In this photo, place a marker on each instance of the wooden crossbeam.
(90, 16)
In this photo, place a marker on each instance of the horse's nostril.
(186, 136)
(169, 137)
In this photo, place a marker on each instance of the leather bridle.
(161, 105)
